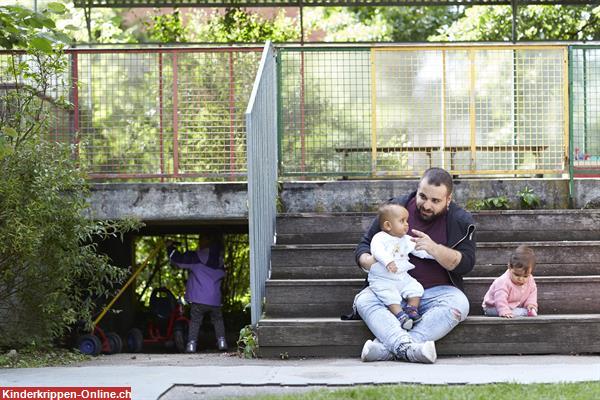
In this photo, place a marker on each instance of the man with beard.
(444, 230)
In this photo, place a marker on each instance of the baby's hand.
(392, 267)
(507, 315)
(531, 312)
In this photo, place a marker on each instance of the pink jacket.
(505, 296)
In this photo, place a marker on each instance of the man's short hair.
(437, 177)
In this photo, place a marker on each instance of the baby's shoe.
(190, 347)
(405, 322)
(221, 343)
(412, 313)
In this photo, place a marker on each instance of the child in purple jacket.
(203, 288)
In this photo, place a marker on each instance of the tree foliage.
(239, 25)
(475, 23)
(234, 25)
(537, 22)
(167, 28)
(389, 24)
(50, 272)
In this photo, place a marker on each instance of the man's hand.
(445, 256)
(392, 267)
(366, 260)
(424, 242)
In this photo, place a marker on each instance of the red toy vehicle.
(99, 342)
(167, 324)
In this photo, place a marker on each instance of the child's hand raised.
(392, 267)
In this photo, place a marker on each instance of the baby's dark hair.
(522, 258)
(384, 211)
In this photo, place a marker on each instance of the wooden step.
(507, 225)
(478, 335)
(336, 261)
(489, 270)
(334, 297)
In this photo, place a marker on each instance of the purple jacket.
(206, 271)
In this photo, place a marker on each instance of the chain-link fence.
(178, 113)
(399, 110)
(168, 113)
(175, 113)
(585, 110)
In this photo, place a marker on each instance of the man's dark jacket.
(459, 231)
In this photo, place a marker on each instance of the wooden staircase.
(314, 279)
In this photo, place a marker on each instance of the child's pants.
(391, 288)
(493, 312)
(197, 312)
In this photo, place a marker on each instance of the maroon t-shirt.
(428, 272)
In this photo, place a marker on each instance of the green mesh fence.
(585, 109)
(164, 113)
(399, 110)
(325, 106)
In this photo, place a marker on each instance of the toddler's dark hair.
(522, 258)
(384, 211)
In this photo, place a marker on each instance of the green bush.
(50, 272)
(491, 203)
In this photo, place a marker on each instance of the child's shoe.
(190, 347)
(412, 313)
(221, 344)
(405, 322)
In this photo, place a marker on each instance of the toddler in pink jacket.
(514, 293)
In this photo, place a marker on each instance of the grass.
(504, 391)
(35, 357)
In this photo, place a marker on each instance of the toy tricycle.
(167, 324)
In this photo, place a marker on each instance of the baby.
(514, 293)
(388, 277)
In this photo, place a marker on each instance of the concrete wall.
(344, 196)
(178, 204)
(175, 202)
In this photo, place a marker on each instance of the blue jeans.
(442, 308)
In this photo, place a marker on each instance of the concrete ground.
(225, 375)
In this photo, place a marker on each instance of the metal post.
(175, 118)
(160, 116)
(513, 6)
(231, 118)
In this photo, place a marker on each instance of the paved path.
(179, 376)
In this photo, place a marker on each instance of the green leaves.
(534, 22)
(24, 29)
(57, 8)
(41, 44)
(491, 203)
(528, 199)
(248, 343)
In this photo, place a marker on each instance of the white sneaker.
(374, 350)
(421, 352)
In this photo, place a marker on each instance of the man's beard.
(431, 216)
